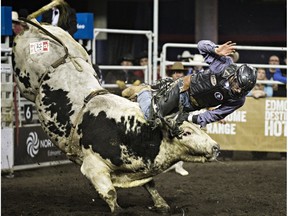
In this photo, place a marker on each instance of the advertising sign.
(6, 21)
(85, 26)
(35, 147)
(260, 125)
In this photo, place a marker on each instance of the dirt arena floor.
(225, 188)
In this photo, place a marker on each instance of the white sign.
(275, 118)
(39, 47)
(7, 149)
(230, 124)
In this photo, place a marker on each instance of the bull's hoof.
(118, 211)
(160, 209)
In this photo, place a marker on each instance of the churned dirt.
(225, 188)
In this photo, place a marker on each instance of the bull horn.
(47, 7)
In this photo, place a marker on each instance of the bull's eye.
(186, 133)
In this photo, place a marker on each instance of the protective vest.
(208, 89)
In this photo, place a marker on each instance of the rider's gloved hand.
(187, 117)
(136, 83)
(121, 84)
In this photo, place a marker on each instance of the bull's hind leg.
(98, 173)
(160, 204)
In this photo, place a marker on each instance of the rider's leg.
(144, 99)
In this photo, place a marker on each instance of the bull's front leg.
(99, 175)
(160, 204)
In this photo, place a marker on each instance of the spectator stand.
(165, 62)
(147, 69)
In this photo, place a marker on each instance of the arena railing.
(7, 110)
(164, 62)
(147, 69)
(116, 67)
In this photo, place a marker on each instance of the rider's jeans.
(144, 99)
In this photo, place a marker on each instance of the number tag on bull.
(39, 47)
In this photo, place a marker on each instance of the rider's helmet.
(244, 80)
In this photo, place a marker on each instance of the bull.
(105, 134)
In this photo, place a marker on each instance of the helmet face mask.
(236, 91)
(243, 80)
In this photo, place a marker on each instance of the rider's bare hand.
(225, 49)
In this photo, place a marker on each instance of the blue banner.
(85, 26)
(6, 21)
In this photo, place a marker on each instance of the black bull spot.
(105, 136)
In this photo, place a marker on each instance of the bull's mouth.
(201, 158)
(214, 153)
(208, 157)
(213, 156)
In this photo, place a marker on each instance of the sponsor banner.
(6, 21)
(85, 26)
(260, 125)
(35, 147)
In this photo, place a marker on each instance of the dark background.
(246, 22)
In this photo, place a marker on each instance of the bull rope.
(72, 151)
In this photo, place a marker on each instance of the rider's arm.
(216, 56)
(219, 113)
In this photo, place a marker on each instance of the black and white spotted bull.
(104, 133)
